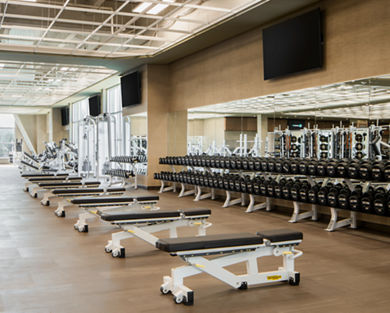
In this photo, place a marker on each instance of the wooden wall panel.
(357, 45)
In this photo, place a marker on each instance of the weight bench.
(78, 192)
(143, 224)
(124, 204)
(62, 184)
(230, 249)
(54, 179)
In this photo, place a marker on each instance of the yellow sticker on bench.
(199, 265)
(274, 277)
(93, 212)
(130, 231)
(287, 252)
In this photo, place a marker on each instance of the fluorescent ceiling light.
(159, 7)
(30, 0)
(142, 7)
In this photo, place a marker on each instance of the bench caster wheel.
(81, 229)
(243, 286)
(178, 299)
(188, 300)
(47, 203)
(62, 214)
(294, 281)
(164, 291)
(35, 195)
(118, 253)
(107, 249)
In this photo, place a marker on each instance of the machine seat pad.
(62, 183)
(280, 235)
(208, 242)
(85, 190)
(121, 199)
(115, 216)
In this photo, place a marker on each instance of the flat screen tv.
(131, 89)
(94, 105)
(294, 45)
(65, 116)
(295, 124)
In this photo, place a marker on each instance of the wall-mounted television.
(294, 45)
(131, 89)
(94, 105)
(65, 116)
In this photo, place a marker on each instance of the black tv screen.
(94, 105)
(295, 124)
(131, 89)
(293, 46)
(65, 116)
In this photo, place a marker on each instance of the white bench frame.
(143, 229)
(215, 267)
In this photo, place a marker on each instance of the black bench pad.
(208, 242)
(226, 240)
(44, 175)
(115, 216)
(53, 179)
(86, 190)
(63, 183)
(90, 200)
(279, 235)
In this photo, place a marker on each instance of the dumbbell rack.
(164, 184)
(297, 215)
(196, 190)
(125, 174)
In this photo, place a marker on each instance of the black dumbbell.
(294, 190)
(271, 165)
(271, 188)
(239, 163)
(245, 164)
(312, 194)
(322, 196)
(291, 166)
(278, 168)
(278, 188)
(353, 169)
(343, 198)
(312, 167)
(365, 170)
(303, 192)
(286, 190)
(367, 201)
(256, 186)
(381, 199)
(303, 167)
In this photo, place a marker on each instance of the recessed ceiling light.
(142, 7)
(159, 7)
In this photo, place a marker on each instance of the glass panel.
(114, 107)
(7, 134)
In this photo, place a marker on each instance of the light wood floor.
(46, 266)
